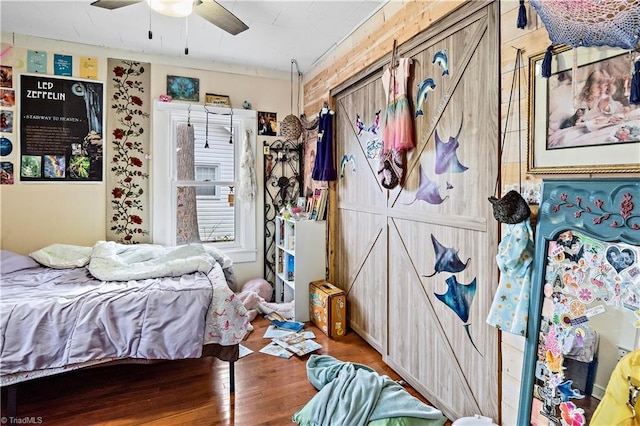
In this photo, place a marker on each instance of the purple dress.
(324, 169)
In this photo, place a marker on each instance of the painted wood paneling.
(361, 273)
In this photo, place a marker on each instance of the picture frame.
(578, 126)
(212, 99)
(267, 123)
(183, 88)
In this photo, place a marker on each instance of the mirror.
(585, 297)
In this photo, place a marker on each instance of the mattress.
(56, 320)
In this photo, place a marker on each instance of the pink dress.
(398, 124)
(398, 119)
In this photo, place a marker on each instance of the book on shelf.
(297, 343)
(322, 208)
(291, 264)
(319, 204)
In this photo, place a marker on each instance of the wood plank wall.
(532, 39)
(373, 40)
(402, 20)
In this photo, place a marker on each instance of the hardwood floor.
(190, 392)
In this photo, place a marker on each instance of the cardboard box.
(328, 308)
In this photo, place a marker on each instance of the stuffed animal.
(256, 296)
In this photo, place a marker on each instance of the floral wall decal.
(128, 176)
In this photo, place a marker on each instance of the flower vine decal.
(126, 163)
(600, 213)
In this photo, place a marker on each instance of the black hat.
(511, 208)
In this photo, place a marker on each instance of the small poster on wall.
(89, 67)
(62, 64)
(7, 98)
(6, 120)
(36, 61)
(6, 173)
(6, 76)
(267, 123)
(61, 122)
(183, 88)
(6, 146)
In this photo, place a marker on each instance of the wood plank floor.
(190, 392)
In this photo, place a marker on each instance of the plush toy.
(255, 296)
(259, 286)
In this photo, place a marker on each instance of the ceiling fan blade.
(219, 16)
(114, 4)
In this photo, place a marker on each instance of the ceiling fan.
(208, 9)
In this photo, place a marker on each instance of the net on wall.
(589, 23)
(614, 23)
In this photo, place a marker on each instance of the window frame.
(166, 116)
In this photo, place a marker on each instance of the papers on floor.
(284, 324)
(286, 345)
(275, 350)
(244, 351)
(274, 332)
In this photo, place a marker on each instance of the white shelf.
(300, 259)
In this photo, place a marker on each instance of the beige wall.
(33, 215)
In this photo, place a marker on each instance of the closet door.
(418, 262)
(361, 225)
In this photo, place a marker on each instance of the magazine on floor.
(276, 350)
(284, 324)
(297, 343)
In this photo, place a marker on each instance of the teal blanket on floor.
(354, 394)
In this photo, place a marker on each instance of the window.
(206, 173)
(194, 184)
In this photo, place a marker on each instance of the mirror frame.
(561, 200)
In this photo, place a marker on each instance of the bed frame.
(224, 353)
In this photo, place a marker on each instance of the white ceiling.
(279, 31)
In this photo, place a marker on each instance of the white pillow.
(61, 256)
(11, 262)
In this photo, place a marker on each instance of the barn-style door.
(418, 261)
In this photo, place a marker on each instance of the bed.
(80, 307)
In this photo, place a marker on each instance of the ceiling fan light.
(173, 8)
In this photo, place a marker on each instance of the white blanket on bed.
(111, 261)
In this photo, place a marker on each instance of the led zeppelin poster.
(61, 123)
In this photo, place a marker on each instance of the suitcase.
(328, 308)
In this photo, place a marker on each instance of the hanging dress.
(323, 168)
(510, 307)
(398, 134)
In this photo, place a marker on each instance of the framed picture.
(267, 123)
(580, 118)
(183, 88)
(211, 99)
